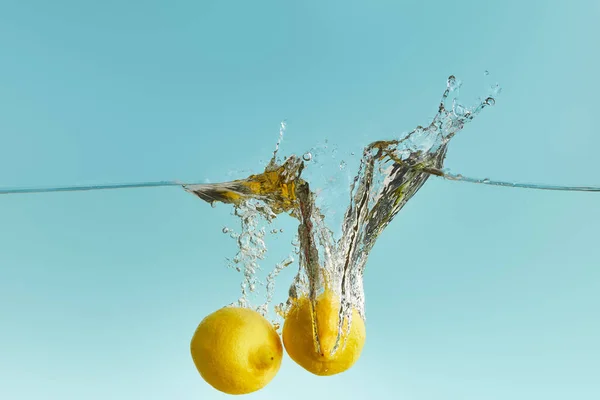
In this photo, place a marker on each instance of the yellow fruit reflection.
(298, 335)
(236, 350)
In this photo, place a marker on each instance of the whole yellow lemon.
(236, 350)
(299, 335)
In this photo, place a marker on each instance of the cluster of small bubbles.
(342, 165)
(307, 156)
(243, 303)
(251, 245)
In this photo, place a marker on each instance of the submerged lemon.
(236, 350)
(299, 341)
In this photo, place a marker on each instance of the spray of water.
(390, 174)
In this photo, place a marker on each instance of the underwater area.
(319, 200)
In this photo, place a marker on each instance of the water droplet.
(453, 83)
(486, 72)
(490, 101)
(307, 156)
(486, 180)
(225, 229)
(342, 165)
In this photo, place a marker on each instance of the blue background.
(473, 292)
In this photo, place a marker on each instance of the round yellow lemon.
(299, 335)
(236, 350)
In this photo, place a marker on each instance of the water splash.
(390, 174)
(282, 128)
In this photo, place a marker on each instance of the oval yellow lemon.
(299, 335)
(236, 350)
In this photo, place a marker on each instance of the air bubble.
(307, 156)
(225, 229)
(490, 101)
(486, 180)
(213, 204)
(486, 72)
(459, 110)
